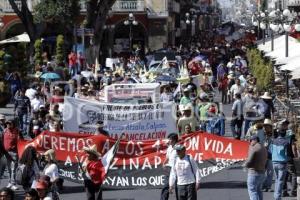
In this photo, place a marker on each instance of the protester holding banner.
(93, 170)
(11, 136)
(171, 157)
(185, 172)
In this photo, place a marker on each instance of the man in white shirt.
(31, 92)
(237, 88)
(185, 171)
(36, 103)
(171, 156)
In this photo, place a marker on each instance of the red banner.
(139, 160)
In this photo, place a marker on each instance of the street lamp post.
(130, 22)
(283, 20)
(190, 21)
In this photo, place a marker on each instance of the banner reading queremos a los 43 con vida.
(138, 122)
(138, 164)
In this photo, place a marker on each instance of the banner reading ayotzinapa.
(138, 164)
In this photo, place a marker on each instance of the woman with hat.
(268, 129)
(268, 105)
(93, 173)
(51, 168)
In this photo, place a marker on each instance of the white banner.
(138, 122)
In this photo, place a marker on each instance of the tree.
(38, 52)
(60, 49)
(33, 30)
(97, 12)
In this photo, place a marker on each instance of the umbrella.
(19, 38)
(50, 76)
(165, 78)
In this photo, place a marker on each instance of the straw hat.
(268, 122)
(51, 154)
(92, 150)
(266, 96)
(186, 108)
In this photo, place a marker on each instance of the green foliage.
(60, 49)
(38, 52)
(2, 53)
(53, 11)
(262, 69)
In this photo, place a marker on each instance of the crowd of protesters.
(224, 70)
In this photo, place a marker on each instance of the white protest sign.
(138, 122)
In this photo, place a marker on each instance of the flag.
(109, 156)
(165, 63)
(178, 89)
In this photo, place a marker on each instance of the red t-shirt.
(10, 139)
(96, 171)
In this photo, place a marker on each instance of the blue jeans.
(12, 167)
(236, 128)
(246, 126)
(280, 171)
(23, 120)
(269, 175)
(254, 184)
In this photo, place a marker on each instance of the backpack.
(281, 150)
(23, 174)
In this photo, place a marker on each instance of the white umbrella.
(19, 38)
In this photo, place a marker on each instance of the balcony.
(129, 6)
(6, 8)
(293, 3)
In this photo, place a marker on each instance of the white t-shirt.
(30, 93)
(236, 89)
(36, 103)
(171, 156)
(51, 171)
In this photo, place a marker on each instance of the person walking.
(171, 156)
(268, 129)
(11, 135)
(237, 117)
(93, 170)
(256, 162)
(281, 155)
(30, 162)
(22, 109)
(185, 171)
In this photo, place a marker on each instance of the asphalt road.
(229, 184)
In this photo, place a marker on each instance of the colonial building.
(156, 22)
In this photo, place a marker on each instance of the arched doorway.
(15, 29)
(122, 35)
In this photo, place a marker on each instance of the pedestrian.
(185, 171)
(237, 88)
(30, 162)
(223, 87)
(51, 170)
(42, 188)
(11, 136)
(214, 122)
(7, 194)
(268, 129)
(237, 117)
(31, 194)
(291, 169)
(269, 108)
(171, 156)
(93, 173)
(186, 118)
(256, 162)
(72, 64)
(186, 97)
(22, 109)
(281, 155)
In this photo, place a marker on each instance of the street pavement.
(229, 184)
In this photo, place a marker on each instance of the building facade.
(159, 22)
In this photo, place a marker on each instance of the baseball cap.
(179, 147)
